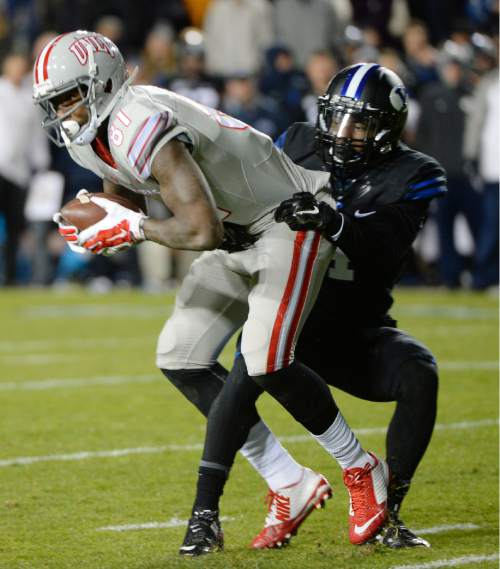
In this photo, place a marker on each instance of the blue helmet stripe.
(348, 80)
(363, 81)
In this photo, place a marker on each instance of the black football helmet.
(360, 117)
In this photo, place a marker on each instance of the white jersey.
(247, 175)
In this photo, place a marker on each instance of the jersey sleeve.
(428, 182)
(149, 128)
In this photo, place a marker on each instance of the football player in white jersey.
(221, 180)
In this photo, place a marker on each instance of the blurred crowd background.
(264, 62)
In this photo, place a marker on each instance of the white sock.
(339, 441)
(269, 458)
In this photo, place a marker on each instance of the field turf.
(92, 437)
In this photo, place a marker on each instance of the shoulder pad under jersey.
(404, 176)
(139, 126)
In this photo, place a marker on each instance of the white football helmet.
(83, 61)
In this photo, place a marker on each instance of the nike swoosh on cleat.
(358, 213)
(360, 530)
(188, 547)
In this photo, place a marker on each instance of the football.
(82, 212)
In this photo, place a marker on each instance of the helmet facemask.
(350, 135)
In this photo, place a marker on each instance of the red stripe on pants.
(285, 301)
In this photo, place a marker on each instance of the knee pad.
(201, 387)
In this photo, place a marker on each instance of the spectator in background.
(481, 150)
(284, 83)
(191, 80)
(306, 26)
(440, 132)
(439, 15)
(112, 27)
(373, 15)
(420, 56)
(320, 68)
(23, 150)
(237, 32)
(158, 56)
(242, 100)
(196, 10)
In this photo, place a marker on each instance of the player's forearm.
(177, 235)
(112, 188)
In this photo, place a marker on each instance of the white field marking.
(466, 366)
(95, 311)
(41, 384)
(455, 562)
(24, 346)
(40, 359)
(446, 529)
(198, 446)
(444, 311)
(177, 522)
(174, 522)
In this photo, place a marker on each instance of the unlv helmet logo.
(97, 43)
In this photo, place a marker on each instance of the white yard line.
(447, 528)
(455, 562)
(25, 460)
(69, 382)
(68, 311)
(174, 522)
(466, 366)
(24, 346)
(77, 382)
(447, 311)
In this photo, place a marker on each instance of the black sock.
(210, 488)
(395, 495)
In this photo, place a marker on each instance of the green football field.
(99, 454)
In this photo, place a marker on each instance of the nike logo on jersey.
(360, 530)
(312, 211)
(358, 213)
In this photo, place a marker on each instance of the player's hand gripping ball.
(100, 223)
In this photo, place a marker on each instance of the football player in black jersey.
(383, 190)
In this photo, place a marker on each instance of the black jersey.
(383, 210)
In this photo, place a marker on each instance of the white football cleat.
(289, 507)
(367, 487)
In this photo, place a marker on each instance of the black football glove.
(303, 212)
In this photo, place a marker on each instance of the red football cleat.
(289, 507)
(367, 487)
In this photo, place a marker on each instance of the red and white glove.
(120, 229)
(69, 233)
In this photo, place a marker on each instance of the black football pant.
(382, 364)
